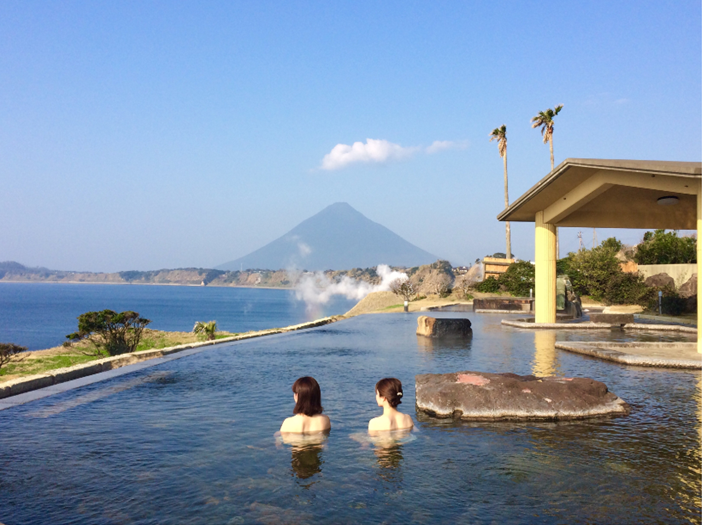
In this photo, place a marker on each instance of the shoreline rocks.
(486, 396)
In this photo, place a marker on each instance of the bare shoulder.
(290, 425)
(376, 423)
(323, 422)
(407, 421)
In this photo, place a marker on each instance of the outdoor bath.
(192, 440)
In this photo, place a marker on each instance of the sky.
(140, 135)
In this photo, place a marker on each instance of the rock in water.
(480, 395)
(619, 319)
(433, 327)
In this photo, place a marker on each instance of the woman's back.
(390, 421)
(302, 424)
(308, 409)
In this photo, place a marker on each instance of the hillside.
(336, 238)
(424, 277)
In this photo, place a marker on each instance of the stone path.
(662, 355)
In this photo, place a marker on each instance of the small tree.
(206, 330)
(9, 353)
(659, 247)
(109, 331)
(404, 288)
(489, 285)
(519, 278)
(465, 285)
(443, 286)
(591, 270)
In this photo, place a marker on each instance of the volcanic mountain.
(336, 238)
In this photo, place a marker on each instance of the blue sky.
(146, 135)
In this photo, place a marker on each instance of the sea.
(40, 315)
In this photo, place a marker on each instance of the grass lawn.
(40, 361)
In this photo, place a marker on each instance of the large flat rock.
(443, 327)
(481, 395)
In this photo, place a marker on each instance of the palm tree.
(206, 330)
(500, 135)
(544, 120)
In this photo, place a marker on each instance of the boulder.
(618, 319)
(485, 396)
(660, 281)
(623, 309)
(443, 327)
(689, 288)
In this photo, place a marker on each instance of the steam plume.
(317, 289)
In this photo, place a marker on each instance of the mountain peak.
(338, 237)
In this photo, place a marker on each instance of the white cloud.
(441, 145)
(373, 150)
(379, 151)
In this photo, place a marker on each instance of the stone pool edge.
(61, 375)
(614, 352)
(588, 325)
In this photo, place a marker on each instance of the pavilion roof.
(607, 193)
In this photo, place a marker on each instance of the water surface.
(40, 315)
(192, 441)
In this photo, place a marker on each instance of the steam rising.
(316, 289)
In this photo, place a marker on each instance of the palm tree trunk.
(507, 232)
(550, 145)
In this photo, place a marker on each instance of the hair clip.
(399, 394)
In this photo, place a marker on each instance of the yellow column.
(699, 265)
(545, 258)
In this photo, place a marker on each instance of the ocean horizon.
(39, 316)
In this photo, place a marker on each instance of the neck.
(388, 410)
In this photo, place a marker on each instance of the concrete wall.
(681, 273)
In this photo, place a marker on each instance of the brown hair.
(391, 389)
(309, 397)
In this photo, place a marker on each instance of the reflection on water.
(306, 451)
(545, 354)
(387, 447)
(442, 344)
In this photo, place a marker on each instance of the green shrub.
(518, 279)
(627, 288)
(206, 331)
(659, 247)
(445, 291)
(489, 285)
(109, 331)
(9, 352)
(673, 305)
(590, 271)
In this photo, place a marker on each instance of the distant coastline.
(148, 284)
(425, 278)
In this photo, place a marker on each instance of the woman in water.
(388, 394)
(308, 409)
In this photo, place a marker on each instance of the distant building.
(496, 266)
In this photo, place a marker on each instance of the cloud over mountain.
(380, 151)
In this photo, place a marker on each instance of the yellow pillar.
(545, 258)
(699, 265)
